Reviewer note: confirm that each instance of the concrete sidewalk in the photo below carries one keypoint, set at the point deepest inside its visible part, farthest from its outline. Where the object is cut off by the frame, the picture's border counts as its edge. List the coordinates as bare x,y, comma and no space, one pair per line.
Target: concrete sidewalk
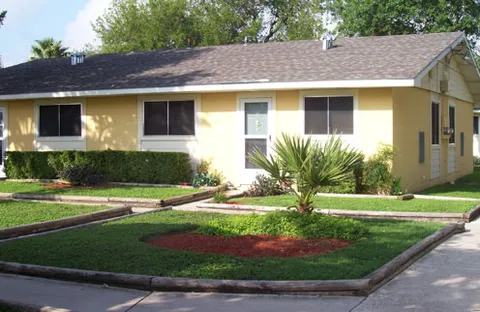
447,279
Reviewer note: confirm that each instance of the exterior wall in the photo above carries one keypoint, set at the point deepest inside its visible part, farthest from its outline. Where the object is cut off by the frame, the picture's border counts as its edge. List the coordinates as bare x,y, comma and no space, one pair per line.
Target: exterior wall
287,113
411,115
218,133
20,128
112,123
375,119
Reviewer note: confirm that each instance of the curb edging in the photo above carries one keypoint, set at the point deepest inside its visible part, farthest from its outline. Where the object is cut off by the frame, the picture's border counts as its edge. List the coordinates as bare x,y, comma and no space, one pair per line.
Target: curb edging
358,287
416,216
45,226
140,202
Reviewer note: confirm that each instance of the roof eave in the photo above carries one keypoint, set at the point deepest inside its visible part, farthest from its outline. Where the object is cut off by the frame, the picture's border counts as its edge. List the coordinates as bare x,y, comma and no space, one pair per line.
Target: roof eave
262,86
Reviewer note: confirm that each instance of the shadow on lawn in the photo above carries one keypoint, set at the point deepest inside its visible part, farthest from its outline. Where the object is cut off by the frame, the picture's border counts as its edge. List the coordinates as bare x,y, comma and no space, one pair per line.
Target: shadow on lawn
117,247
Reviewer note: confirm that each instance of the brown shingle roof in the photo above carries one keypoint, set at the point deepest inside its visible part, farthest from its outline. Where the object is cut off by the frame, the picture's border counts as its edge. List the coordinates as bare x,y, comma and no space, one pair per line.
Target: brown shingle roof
390,57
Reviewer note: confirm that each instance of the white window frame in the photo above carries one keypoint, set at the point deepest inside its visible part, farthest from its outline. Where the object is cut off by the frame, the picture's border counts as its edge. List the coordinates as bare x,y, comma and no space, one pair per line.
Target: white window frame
196,98
166,136
60,142
324,93
56,138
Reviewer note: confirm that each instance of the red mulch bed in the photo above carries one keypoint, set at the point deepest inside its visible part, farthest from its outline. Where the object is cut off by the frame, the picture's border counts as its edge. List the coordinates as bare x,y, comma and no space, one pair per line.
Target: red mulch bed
248,246
59,186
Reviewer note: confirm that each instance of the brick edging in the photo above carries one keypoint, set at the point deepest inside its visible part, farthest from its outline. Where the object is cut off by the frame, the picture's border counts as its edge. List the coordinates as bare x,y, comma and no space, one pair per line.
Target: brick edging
64,222
154,283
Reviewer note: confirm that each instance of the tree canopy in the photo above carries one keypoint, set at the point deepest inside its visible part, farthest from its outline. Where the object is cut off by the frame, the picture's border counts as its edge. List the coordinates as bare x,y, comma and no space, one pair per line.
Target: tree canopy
152,24
3,14
396,17
48,48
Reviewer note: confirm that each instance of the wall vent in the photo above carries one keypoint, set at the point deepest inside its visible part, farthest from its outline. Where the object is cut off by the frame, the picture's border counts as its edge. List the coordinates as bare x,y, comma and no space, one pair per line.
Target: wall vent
443,86
77,58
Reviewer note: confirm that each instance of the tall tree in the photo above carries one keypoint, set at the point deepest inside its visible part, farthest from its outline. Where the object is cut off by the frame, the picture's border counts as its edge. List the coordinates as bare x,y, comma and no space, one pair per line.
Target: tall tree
48,48
3,14
394,17
151,24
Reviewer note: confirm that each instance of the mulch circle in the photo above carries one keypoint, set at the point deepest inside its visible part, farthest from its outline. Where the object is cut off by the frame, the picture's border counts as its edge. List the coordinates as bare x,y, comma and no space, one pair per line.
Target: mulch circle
248,246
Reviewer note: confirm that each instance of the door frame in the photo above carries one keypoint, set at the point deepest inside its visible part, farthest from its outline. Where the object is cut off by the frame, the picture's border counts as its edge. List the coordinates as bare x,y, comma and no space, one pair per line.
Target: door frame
3,109
246,176
452,147
436,149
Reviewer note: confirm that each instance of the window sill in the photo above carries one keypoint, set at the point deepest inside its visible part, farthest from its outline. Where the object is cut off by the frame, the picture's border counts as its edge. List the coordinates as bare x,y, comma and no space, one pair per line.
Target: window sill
60,138
168,138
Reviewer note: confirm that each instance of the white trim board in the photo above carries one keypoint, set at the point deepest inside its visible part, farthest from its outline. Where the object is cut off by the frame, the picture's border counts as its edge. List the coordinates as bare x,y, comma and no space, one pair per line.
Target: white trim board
262,86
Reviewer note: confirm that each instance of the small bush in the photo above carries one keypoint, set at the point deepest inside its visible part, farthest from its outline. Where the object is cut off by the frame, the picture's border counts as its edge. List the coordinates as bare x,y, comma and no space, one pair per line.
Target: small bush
476,160
204,177
377,173
287,223
82,175
264,186
220,197
118,166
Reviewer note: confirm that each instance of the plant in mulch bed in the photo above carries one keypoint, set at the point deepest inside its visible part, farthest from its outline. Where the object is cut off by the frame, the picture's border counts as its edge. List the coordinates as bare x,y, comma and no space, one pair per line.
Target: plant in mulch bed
264,186
220,197
204,177
305,166
286,223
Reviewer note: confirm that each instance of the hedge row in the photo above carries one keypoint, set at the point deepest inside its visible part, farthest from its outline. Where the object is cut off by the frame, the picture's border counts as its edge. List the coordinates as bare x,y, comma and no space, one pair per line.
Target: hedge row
117,166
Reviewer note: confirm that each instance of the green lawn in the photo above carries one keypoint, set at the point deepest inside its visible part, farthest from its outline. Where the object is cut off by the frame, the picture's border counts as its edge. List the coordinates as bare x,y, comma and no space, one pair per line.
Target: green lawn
468,187
13,213
117,247
118,191
374,204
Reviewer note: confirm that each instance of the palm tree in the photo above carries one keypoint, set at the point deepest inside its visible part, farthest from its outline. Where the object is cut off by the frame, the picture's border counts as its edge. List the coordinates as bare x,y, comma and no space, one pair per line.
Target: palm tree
48,48
305,166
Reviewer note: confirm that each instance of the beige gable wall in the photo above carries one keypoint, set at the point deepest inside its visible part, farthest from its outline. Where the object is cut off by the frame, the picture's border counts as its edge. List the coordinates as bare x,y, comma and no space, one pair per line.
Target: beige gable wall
456,83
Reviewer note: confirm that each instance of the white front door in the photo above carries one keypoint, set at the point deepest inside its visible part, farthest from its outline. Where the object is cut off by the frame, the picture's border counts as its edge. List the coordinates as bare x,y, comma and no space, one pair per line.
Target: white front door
2,141
256,132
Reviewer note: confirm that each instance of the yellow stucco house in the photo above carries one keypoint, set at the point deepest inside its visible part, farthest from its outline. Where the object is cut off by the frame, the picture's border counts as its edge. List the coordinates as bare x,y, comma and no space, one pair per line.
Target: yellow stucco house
416,92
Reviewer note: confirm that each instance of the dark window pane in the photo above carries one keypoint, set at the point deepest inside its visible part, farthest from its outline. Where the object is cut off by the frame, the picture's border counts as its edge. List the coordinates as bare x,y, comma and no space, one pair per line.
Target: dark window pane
421,147
155,118
70,120
250,144
341,114
462,144
316,121
451,116
435,137
48,120
475,125
182,118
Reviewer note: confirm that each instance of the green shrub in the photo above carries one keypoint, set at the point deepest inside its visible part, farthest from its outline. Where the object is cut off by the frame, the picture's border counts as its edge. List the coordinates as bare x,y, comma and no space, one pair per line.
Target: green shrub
117,166
378,177
204,177
220,197
264,186
287,223
82,175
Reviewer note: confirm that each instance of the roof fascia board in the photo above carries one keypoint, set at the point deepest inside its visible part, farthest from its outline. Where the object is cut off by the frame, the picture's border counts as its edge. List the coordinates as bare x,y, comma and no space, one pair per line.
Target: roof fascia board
380,83
434,62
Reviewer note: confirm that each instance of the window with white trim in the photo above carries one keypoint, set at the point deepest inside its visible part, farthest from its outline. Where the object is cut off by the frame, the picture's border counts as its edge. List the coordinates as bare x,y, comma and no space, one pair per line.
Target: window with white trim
451,117
60,120
327,115
169,118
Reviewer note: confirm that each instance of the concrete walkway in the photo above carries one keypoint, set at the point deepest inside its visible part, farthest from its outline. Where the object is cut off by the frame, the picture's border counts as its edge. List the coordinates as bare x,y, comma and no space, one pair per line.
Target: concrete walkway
447,279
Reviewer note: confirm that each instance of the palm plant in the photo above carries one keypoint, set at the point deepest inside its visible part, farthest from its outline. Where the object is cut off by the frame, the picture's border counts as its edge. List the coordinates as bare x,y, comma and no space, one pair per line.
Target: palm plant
305,166
48,48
